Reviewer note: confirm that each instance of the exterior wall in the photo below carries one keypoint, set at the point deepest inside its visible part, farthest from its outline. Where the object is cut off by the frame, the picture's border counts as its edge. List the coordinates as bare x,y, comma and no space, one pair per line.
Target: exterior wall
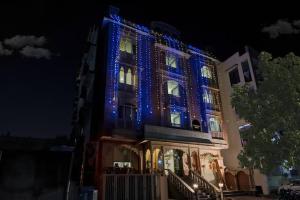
232,121
29,171
151,104
150,94
116,152
206,156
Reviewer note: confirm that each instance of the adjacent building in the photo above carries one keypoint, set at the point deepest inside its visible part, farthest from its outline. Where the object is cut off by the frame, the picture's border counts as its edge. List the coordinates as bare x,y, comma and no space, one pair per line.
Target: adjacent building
35,169
239,69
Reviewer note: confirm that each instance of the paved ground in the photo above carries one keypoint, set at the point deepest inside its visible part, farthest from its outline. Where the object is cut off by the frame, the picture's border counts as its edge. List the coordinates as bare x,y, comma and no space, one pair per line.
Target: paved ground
249,198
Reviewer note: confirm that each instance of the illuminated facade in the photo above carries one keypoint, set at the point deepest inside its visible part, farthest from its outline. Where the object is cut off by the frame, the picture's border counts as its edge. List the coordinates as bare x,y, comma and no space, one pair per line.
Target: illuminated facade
155,106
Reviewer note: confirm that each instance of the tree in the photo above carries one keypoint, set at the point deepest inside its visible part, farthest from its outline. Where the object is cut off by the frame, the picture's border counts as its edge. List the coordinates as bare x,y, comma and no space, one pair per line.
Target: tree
273,110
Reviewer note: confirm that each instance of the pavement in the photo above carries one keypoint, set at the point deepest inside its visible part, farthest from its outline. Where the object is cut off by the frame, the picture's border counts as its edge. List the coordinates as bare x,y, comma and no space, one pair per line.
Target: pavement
248,198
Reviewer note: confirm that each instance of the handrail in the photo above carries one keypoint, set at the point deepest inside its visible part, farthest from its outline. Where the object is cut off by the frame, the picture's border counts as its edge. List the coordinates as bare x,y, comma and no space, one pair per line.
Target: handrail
203,183
187,191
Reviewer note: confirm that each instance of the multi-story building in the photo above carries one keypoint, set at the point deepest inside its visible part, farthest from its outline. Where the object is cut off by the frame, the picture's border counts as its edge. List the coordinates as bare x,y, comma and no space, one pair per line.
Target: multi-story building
149,103
239,69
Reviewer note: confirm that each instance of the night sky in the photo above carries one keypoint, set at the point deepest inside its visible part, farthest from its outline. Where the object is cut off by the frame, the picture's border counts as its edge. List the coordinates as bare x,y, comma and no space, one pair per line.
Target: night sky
41,43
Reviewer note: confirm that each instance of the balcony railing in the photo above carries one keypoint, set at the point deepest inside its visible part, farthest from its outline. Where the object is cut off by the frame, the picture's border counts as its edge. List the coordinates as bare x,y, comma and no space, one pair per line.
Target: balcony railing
217,135
127,57
180,185
203,184
126,124
213,107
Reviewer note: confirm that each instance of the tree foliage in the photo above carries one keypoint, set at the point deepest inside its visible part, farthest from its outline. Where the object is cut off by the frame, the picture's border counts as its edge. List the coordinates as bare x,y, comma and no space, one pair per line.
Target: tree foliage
273,110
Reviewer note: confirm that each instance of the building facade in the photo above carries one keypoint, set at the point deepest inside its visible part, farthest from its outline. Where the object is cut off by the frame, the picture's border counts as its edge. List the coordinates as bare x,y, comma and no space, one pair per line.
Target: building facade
148,103
239,69
35,168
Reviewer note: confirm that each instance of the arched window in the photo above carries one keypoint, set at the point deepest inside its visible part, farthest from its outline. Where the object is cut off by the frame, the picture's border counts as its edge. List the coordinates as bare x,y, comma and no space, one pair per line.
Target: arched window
210,97
121,75
126,45
205,72
135,81
207,97
214,125
173,88
129,77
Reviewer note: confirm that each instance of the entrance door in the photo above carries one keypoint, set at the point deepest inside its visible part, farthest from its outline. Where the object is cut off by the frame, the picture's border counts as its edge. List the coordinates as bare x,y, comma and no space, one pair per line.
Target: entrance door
195,162
243,181
178,163
230,181
173,161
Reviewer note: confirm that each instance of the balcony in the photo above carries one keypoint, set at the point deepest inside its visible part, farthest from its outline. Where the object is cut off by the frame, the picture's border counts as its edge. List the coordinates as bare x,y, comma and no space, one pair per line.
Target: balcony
173,134
213,107
128,58
217,135
174,100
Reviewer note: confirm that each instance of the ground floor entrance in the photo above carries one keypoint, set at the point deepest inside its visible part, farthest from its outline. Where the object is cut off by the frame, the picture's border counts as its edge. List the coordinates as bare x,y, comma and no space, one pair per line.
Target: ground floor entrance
156,156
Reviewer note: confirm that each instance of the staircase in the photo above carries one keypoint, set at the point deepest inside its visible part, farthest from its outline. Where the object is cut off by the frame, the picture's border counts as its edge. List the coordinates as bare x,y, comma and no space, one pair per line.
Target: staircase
182,188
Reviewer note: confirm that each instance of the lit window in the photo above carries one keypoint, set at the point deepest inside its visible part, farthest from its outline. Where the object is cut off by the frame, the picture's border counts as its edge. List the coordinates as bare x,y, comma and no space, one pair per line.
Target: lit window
207,97
171,61
173,88
121,75
126,45
214,125
129,77
175,119
205,72
135,80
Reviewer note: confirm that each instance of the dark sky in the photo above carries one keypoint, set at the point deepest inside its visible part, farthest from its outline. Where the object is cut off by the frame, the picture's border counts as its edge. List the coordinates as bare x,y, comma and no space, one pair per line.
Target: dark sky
36,94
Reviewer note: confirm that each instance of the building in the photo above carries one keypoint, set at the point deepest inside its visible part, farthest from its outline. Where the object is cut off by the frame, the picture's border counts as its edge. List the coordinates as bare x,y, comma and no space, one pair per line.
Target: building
35,168
148,103
239,69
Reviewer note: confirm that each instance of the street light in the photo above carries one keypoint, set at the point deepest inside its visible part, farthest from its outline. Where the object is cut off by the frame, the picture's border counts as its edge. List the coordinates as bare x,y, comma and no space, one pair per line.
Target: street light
195,186
221,188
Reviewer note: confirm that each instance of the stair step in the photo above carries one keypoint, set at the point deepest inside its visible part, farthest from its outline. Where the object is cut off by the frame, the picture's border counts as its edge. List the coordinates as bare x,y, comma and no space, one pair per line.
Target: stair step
234,193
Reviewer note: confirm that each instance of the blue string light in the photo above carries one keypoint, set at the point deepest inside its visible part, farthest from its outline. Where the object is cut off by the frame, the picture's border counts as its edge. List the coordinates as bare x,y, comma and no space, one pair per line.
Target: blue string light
113,68
145,73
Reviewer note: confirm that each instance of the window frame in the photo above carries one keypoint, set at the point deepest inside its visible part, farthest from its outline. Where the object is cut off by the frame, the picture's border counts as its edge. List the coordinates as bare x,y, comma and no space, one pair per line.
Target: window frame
171,64
178,117
206,72
127,44
170,90
232,71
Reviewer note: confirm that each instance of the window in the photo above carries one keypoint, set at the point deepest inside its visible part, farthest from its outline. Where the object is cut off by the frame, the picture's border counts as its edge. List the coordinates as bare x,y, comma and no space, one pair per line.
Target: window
234,76
173,88
214,125
171,61
205,72
246,71
175,119
126,45
207,97
135,80
121,75
129,77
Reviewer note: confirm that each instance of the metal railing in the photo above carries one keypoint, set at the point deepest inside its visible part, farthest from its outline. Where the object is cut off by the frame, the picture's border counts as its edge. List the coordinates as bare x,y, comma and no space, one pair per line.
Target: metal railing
180,185
130,187
217,135
213,190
